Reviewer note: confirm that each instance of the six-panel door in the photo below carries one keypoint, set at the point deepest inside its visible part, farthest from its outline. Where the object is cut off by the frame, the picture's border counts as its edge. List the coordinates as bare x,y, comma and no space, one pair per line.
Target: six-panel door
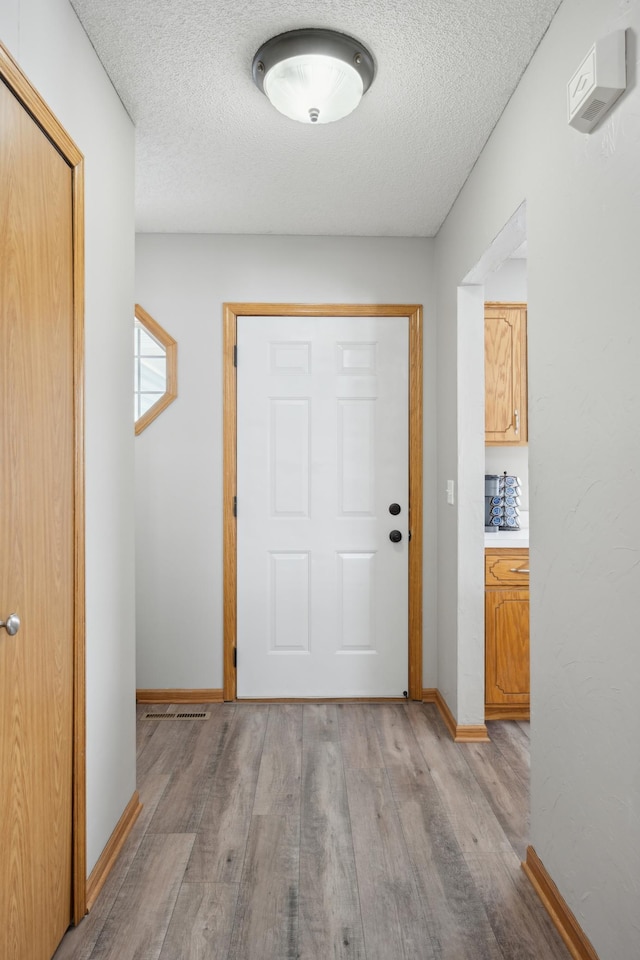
322,454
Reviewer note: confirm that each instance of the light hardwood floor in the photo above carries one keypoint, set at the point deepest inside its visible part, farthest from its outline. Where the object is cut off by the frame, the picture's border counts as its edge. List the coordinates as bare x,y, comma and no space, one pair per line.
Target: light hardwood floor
322,831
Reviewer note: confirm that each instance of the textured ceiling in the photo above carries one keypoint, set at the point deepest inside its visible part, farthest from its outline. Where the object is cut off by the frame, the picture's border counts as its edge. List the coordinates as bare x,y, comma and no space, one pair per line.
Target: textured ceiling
213,156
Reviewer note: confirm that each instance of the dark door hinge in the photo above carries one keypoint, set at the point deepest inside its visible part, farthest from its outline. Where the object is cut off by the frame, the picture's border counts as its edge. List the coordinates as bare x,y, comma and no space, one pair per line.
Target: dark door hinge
235,506
235,656
235,354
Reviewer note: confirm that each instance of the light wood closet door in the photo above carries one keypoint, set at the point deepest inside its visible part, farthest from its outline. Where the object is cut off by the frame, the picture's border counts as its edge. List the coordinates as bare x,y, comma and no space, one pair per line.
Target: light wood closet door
36,526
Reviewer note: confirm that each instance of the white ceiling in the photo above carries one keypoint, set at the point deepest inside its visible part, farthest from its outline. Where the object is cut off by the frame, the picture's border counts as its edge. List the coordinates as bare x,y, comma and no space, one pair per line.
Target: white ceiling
213,156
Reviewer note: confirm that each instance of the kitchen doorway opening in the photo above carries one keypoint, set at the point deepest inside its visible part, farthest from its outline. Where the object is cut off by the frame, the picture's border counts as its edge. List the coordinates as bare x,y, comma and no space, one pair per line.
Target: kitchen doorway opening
478,286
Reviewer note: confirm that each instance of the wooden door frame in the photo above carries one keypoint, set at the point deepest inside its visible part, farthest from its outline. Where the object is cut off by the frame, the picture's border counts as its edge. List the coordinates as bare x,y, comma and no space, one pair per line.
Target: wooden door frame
231,313
27,95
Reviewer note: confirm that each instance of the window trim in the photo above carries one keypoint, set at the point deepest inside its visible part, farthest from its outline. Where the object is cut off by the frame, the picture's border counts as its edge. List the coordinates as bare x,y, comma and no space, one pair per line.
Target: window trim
171,348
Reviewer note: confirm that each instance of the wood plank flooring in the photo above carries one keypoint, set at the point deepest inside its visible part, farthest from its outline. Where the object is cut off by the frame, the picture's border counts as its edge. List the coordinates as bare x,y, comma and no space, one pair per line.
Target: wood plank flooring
322,832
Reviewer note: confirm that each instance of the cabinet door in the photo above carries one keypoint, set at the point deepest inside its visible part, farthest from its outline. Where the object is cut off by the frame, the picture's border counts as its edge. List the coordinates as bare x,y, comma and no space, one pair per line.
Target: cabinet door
507,646
505,371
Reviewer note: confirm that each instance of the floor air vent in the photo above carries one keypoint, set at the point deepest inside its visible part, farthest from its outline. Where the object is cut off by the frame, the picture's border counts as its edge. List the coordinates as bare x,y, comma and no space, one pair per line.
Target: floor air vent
177,716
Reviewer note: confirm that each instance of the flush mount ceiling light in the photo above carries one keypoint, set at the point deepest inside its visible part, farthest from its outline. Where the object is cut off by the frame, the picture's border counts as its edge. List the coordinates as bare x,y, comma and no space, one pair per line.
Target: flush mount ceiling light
314,76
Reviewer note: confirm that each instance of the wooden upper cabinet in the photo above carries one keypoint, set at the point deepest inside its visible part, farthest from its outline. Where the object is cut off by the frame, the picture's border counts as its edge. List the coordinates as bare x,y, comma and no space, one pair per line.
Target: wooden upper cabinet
505,373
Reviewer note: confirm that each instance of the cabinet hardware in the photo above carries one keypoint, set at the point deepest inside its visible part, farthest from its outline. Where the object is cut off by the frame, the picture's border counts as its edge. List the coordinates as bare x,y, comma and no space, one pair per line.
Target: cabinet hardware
517,416
519,570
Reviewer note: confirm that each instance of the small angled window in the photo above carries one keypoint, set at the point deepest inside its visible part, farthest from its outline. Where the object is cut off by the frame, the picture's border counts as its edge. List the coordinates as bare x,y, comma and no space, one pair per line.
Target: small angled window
155,369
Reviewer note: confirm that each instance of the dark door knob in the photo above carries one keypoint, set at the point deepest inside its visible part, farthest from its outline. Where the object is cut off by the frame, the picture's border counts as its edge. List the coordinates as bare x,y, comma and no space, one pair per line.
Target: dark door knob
394,509
395,536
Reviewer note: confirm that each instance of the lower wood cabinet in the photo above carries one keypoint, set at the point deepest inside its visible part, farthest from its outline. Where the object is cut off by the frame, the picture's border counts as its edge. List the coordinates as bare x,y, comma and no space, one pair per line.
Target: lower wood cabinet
506,634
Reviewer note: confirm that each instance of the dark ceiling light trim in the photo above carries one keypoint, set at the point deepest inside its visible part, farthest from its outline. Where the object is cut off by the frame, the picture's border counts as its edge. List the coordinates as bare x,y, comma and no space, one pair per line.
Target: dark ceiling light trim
313,75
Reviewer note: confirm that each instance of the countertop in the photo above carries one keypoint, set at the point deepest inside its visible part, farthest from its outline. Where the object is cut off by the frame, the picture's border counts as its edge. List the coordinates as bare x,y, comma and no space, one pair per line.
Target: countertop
510,538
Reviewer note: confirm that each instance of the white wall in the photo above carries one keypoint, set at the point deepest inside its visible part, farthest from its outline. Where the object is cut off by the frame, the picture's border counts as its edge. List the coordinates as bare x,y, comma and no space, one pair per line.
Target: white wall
583,207
182,281
46,39
508,283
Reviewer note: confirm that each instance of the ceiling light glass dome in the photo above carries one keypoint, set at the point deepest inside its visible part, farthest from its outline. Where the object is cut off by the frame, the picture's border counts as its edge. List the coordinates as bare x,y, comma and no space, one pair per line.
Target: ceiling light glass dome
313,76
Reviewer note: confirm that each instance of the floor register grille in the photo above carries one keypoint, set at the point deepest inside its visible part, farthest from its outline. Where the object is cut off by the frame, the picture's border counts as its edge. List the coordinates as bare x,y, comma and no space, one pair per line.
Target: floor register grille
177,716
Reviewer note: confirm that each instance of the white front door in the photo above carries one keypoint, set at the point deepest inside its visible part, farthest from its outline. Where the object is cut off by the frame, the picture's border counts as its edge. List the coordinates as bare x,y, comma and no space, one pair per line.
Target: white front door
322,456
